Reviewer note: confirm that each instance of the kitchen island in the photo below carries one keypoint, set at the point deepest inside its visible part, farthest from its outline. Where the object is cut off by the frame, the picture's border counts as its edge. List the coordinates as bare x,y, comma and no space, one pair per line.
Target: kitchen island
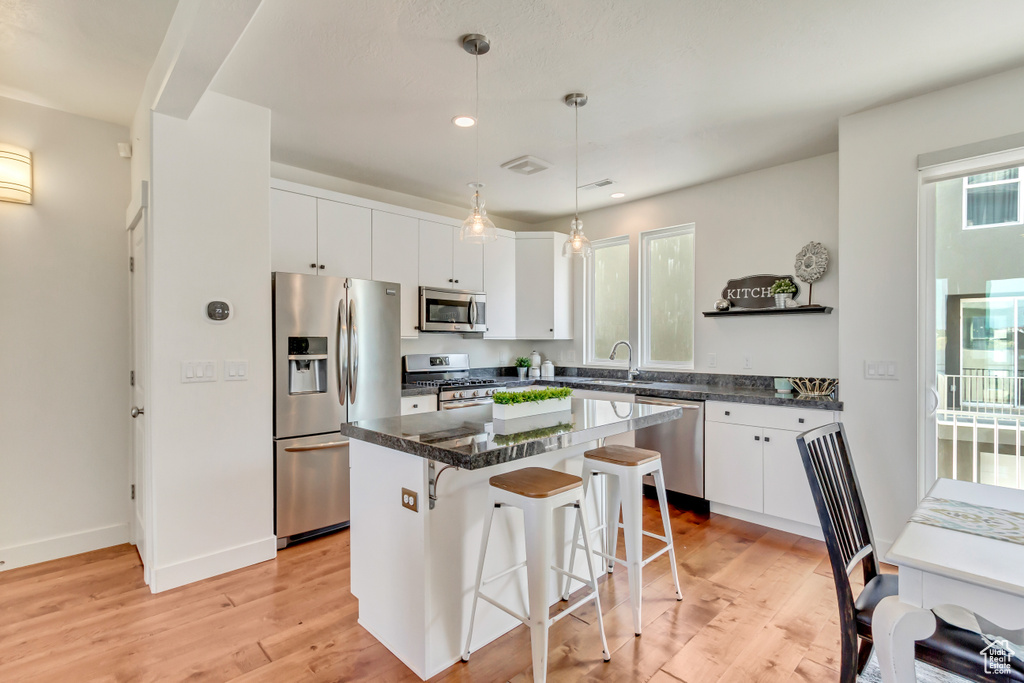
419,488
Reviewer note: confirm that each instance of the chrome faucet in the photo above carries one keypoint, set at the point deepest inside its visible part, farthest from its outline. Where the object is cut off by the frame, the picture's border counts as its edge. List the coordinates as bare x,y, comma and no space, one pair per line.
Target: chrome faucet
633,371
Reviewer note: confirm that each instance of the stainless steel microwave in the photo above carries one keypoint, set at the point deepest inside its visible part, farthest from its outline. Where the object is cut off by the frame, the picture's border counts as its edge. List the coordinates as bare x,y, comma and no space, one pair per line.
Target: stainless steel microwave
452,310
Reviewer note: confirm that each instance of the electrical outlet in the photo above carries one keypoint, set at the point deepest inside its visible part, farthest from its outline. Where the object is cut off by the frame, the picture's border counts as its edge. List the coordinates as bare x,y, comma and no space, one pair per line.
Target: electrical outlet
747,363
712,360
409,500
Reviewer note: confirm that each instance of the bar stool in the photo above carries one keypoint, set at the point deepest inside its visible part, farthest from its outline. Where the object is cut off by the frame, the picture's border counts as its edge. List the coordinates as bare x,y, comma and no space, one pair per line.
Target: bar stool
624,468
538,492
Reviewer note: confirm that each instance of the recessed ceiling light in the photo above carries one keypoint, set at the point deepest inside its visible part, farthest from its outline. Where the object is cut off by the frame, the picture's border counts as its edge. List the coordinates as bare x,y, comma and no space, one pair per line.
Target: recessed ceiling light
618,195
464,121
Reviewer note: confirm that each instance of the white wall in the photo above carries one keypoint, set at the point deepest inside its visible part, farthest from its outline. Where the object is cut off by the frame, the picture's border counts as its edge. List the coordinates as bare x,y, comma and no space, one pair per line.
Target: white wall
64,340
211,442
878,198
748,224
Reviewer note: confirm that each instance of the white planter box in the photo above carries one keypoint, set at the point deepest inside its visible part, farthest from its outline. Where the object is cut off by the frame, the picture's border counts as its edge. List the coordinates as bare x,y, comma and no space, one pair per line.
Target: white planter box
531,408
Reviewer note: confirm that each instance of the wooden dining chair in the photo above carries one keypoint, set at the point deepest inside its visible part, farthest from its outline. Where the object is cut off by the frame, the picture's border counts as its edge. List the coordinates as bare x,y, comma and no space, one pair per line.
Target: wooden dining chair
844,521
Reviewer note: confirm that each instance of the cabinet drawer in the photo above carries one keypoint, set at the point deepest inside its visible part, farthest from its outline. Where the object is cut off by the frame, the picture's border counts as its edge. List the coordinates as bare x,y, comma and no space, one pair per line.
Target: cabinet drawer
419,404
775,417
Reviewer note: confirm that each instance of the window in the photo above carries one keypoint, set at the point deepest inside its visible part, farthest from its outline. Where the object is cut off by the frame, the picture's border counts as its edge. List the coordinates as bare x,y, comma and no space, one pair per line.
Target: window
992,199
666,297
607,298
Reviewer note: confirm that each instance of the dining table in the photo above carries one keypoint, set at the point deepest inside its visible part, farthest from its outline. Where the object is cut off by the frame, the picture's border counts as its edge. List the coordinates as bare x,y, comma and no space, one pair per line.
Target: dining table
960,553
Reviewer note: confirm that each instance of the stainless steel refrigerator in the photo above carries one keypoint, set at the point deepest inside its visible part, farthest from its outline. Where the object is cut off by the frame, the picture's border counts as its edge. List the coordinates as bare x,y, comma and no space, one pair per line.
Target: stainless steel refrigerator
337,358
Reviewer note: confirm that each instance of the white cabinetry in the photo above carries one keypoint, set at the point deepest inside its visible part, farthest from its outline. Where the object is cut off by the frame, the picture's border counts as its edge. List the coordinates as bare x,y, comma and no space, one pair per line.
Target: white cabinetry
396,259
500,287
543,287
318,236
751,461
446,262
426,403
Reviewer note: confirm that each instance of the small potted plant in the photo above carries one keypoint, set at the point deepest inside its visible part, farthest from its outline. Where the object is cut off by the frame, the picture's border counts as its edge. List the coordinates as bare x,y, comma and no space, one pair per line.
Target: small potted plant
522,365
783,290
509,405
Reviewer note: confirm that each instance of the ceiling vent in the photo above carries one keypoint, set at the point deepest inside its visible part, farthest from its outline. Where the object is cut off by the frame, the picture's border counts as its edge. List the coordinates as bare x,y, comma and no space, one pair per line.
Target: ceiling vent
597,183
527,165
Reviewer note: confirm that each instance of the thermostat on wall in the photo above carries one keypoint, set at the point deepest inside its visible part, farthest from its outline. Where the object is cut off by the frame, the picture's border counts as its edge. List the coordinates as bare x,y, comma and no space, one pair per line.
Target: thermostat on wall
218,311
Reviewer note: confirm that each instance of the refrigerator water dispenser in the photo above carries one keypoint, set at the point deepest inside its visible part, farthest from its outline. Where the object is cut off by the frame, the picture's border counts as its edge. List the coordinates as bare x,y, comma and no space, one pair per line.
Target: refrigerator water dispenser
307,365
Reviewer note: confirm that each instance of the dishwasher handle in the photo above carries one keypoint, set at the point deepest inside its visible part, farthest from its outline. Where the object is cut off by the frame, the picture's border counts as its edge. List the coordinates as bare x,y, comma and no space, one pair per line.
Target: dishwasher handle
667,402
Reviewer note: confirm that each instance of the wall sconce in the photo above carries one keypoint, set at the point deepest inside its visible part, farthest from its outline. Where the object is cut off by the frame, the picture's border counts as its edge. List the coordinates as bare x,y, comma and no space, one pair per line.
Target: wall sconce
15,174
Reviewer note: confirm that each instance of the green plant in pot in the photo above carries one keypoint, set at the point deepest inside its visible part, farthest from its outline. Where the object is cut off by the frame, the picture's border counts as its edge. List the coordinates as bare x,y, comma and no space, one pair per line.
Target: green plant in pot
782,289
522,365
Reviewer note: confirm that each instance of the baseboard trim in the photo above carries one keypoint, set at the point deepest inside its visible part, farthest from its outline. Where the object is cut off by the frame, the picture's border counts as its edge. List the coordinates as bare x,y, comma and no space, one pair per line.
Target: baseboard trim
769,521
57,547
206,566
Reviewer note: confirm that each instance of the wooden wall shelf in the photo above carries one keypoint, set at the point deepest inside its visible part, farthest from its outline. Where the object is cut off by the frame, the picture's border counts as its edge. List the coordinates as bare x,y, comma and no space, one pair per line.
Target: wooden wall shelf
769,311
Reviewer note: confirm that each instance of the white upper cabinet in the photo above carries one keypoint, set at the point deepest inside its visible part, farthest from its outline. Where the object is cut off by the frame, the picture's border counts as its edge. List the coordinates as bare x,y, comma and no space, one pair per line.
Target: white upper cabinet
436,255
500,287
467,264
318,236
292,232
396,259
343,239
543,287
446,262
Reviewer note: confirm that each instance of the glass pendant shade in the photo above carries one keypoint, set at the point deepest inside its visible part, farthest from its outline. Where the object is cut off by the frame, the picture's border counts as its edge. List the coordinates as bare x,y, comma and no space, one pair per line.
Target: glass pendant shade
478,228
577,243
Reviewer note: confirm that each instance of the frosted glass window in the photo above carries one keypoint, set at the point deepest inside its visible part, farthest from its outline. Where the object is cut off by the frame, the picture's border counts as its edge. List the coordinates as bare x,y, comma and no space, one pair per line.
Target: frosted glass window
609,297
667,297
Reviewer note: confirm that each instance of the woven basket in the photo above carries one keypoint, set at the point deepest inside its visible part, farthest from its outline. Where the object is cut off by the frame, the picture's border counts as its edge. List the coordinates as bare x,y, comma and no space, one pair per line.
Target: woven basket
814,386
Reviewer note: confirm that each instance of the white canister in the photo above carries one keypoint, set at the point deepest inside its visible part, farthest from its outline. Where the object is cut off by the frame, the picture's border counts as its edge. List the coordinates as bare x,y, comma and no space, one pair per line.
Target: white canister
535,360
534,372
547,369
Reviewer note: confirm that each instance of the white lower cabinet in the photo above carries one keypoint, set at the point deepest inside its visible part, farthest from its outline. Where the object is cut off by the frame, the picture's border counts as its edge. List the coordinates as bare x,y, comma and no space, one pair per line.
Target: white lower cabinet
426,403
750,463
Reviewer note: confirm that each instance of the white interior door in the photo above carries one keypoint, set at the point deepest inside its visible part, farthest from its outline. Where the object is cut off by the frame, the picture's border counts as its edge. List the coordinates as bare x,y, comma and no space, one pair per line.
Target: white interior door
139,382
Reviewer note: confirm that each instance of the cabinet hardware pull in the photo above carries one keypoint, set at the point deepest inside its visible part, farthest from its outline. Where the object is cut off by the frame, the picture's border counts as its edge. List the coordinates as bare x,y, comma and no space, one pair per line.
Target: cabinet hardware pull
757,438
322,266
456,282
312,265
450,280
766,439
727,413
415,405
801,420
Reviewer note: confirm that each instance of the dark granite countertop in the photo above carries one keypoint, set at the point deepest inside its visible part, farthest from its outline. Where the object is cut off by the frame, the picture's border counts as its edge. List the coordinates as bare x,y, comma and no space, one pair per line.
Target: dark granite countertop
695,392
416,390
465,437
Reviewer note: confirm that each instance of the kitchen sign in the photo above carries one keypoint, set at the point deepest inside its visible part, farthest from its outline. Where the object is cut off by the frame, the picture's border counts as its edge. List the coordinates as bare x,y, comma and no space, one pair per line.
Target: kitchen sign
754,291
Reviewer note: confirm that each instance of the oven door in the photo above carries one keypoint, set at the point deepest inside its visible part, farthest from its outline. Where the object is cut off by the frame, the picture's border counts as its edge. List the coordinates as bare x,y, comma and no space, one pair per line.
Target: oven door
459,403
449,310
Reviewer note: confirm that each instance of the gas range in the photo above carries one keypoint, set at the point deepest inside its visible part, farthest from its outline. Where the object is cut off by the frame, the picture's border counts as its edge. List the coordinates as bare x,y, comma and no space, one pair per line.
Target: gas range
449,372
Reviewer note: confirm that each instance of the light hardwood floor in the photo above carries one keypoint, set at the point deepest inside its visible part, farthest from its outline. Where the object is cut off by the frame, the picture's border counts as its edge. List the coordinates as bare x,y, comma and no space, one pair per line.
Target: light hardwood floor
759,605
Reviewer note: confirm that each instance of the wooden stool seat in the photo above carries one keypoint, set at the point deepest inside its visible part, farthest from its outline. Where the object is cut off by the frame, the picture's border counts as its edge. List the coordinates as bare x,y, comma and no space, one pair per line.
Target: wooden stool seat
622,455
535,482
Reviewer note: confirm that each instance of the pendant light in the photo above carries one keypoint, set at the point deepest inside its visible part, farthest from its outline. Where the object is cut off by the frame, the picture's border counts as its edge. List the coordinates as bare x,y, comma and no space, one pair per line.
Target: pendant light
477,228
577,243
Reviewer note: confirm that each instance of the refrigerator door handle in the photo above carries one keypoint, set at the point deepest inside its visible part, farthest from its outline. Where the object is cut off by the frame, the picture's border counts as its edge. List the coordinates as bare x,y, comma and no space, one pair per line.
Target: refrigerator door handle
472,311
342,360
353,346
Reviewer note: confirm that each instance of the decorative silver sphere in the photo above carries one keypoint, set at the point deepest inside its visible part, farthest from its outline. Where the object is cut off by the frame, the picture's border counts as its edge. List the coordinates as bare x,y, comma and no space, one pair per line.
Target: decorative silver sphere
722,305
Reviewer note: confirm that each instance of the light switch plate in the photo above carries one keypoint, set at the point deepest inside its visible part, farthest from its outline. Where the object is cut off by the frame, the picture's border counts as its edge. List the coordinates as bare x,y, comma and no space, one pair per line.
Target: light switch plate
409,501
198,371
881,369
236,370
712,360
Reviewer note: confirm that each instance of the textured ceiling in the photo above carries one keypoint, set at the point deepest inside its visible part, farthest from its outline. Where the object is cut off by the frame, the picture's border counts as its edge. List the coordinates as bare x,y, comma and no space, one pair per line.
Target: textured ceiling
88,57
681,91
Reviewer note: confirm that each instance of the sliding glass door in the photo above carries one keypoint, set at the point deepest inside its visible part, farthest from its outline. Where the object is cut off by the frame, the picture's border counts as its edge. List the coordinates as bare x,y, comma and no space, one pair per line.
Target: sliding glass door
972,321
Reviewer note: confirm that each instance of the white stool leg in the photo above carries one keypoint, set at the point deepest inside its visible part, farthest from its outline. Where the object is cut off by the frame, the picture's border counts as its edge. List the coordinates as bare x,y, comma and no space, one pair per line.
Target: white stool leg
587,476
581,518
632,522
539,530
659,484
612,500
479,574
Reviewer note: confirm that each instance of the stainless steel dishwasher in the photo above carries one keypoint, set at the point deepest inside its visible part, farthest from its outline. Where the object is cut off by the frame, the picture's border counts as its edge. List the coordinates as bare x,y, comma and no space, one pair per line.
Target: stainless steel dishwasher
681,444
